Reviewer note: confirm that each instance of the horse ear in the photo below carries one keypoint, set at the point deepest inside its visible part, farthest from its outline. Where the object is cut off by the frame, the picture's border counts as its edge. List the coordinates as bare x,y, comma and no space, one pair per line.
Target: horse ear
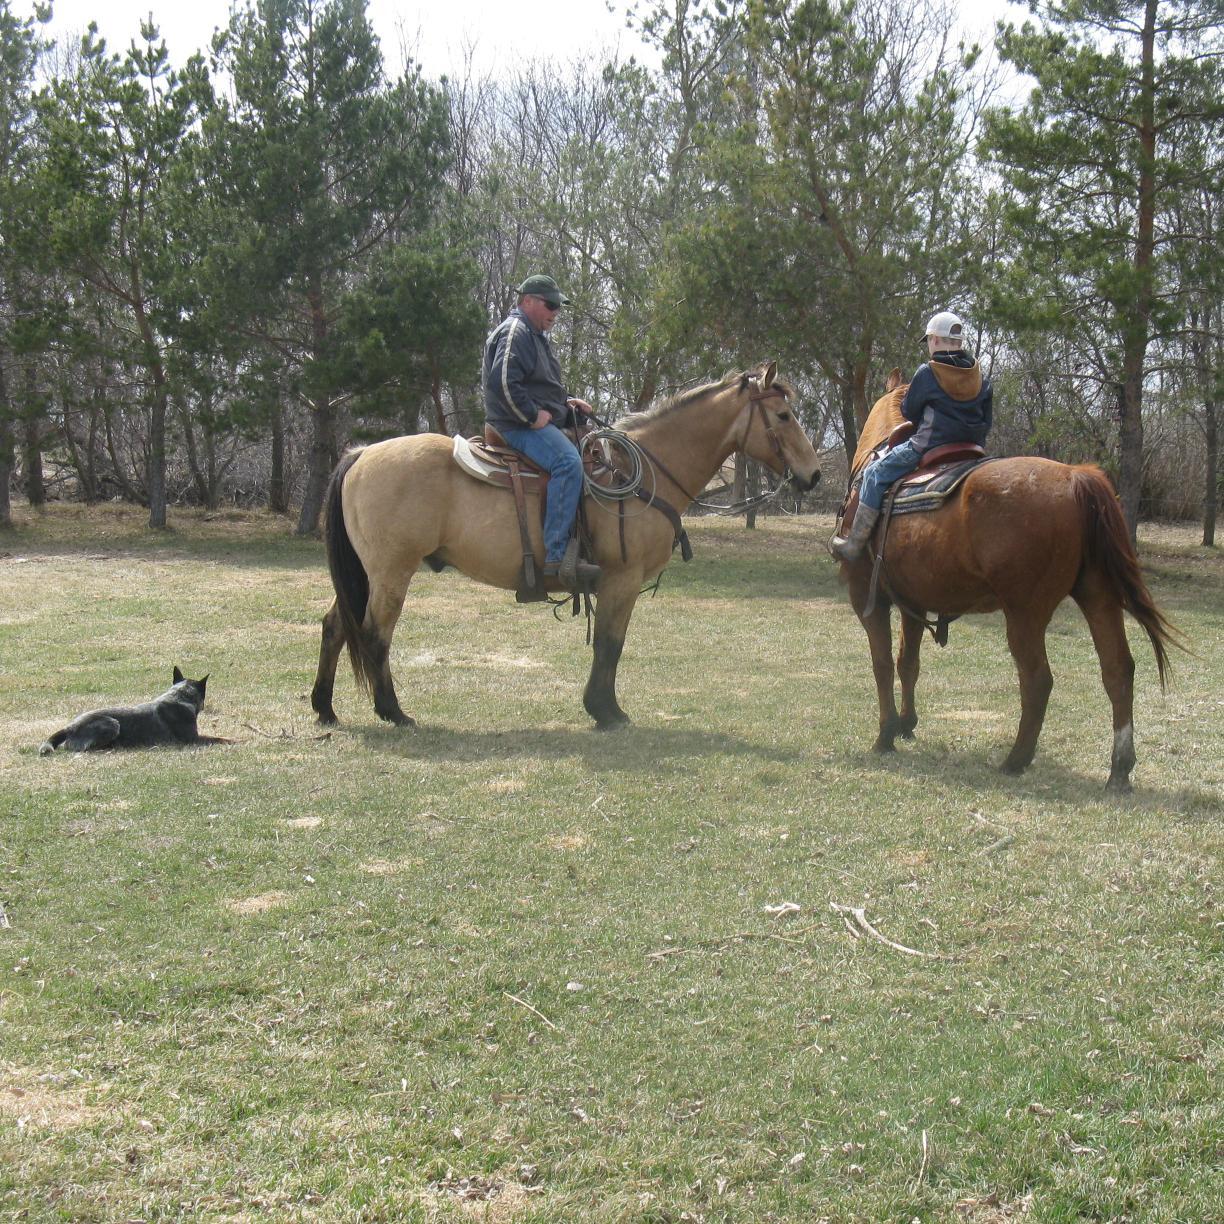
768,374
893,381
178,676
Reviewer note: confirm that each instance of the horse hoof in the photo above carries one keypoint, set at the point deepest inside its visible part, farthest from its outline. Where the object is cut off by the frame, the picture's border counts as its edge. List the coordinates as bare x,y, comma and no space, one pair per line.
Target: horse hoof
399,719
327,718
1013,768
1120,785
612,724
883,747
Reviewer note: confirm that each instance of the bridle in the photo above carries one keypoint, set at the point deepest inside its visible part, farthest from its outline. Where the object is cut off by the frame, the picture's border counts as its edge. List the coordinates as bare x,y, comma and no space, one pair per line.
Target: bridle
756,401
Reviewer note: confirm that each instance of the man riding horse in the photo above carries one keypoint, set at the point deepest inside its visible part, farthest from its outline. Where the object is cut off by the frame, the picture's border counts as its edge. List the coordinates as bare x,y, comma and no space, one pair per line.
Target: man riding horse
949,400
525,402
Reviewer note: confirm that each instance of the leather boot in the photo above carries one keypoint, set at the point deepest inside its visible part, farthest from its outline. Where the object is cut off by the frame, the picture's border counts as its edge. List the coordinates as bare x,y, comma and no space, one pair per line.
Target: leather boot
850,547
573,574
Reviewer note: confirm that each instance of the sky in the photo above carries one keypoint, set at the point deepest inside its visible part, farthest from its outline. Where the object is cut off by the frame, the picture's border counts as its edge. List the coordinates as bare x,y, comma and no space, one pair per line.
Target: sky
437,33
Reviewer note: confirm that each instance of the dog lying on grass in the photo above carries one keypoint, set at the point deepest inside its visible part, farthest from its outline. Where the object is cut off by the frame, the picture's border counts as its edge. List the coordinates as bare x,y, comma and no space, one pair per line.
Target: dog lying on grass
168,719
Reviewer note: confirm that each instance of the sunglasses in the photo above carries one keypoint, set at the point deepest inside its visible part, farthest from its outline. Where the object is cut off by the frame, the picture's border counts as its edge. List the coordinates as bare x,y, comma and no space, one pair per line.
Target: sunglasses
553,306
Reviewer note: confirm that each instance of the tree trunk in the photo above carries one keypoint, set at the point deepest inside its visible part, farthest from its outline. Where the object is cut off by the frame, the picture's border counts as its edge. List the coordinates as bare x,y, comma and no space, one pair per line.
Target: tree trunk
278,492
1137,322
322,424
850,427
1211,492
193,458
31,449
157,453
322,452
435,393
6,456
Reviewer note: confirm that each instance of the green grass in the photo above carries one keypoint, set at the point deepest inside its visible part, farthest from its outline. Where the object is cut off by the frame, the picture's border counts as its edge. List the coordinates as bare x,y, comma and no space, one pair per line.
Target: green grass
508,968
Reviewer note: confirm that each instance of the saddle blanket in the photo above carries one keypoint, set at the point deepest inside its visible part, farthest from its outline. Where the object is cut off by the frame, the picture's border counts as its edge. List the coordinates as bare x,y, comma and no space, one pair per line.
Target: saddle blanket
924,491
471,455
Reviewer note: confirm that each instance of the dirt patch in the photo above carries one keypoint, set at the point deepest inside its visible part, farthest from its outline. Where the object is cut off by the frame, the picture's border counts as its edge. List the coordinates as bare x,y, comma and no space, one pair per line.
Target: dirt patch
39,1102
991,1210
492,1200
569,842
260,904
304,822
384,867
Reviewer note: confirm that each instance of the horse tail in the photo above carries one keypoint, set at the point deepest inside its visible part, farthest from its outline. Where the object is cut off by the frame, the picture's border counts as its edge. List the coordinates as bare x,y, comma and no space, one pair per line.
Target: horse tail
1107,549
348,575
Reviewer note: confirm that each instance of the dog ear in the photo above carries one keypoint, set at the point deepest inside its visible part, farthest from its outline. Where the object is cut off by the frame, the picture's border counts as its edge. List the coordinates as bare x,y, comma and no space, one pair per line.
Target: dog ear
178,676
202,683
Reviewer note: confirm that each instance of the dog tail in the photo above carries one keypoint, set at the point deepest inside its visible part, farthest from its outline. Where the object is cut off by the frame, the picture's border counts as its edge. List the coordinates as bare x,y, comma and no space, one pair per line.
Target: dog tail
349,578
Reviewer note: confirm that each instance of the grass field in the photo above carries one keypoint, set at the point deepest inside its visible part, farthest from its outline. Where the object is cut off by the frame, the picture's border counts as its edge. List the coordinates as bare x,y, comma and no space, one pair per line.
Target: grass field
507,968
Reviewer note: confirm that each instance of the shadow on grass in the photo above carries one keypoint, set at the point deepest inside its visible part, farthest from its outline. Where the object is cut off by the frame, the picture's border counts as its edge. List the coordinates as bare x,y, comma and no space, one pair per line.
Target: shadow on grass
1046,779
629,748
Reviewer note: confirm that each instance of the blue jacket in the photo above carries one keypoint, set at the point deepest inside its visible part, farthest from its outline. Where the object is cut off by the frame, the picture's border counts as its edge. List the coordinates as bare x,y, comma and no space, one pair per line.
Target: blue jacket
522,376
950,401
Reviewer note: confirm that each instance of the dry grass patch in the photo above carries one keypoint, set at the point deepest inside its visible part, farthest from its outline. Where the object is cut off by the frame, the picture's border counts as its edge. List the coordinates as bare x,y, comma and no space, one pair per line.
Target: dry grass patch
303,822
384,867
31,1100
259,904
569,842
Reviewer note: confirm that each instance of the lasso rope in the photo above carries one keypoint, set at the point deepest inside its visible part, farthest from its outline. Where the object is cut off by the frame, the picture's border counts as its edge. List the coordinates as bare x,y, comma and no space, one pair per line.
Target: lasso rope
637,467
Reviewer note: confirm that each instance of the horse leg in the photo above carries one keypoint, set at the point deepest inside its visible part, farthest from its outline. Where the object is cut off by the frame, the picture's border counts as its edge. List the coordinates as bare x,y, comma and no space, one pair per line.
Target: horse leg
382,613
879,637
1026,640
907,669
325,677
617,596
1104,616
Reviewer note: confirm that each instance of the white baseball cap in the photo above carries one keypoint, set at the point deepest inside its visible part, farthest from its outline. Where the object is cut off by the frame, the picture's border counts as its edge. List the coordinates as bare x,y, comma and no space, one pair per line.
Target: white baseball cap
945,325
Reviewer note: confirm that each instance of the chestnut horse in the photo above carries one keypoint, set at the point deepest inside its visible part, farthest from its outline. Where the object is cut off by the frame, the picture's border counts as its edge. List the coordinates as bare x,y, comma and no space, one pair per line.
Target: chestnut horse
397,503
1019,535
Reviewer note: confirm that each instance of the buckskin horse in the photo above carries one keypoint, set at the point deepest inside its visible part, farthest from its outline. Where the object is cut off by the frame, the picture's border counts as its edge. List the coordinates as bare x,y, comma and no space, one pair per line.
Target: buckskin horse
1018,535
395,504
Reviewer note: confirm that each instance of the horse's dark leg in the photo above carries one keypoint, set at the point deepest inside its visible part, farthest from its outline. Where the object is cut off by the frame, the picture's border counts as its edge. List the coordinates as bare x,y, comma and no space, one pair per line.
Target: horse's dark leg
383,612
1026,639
1103,613
325,677
879,637
907,669
617,596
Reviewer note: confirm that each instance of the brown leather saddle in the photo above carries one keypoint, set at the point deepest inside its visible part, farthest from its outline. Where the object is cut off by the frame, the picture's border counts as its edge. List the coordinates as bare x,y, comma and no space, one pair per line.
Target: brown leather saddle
938,475
489,459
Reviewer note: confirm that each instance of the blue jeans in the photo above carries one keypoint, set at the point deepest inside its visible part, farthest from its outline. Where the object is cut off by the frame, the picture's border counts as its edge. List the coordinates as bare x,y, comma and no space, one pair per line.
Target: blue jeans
550,449
898,462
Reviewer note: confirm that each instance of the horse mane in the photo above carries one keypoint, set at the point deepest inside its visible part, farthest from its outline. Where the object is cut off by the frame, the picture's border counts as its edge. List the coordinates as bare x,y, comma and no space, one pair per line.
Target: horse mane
675,403
883,418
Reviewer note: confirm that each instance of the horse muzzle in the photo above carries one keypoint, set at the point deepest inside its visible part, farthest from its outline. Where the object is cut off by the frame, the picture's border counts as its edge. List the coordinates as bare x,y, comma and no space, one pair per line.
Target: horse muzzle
801,484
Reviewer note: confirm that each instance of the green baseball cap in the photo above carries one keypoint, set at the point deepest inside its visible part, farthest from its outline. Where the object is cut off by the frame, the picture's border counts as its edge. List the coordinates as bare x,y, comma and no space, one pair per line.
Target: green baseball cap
543,287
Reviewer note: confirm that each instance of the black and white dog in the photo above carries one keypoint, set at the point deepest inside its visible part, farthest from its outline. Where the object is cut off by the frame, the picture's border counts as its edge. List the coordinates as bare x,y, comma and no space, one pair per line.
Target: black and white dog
168,719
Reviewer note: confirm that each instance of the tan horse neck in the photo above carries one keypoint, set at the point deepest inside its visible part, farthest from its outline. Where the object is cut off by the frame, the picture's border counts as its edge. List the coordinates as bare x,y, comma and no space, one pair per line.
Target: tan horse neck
883,418
691,435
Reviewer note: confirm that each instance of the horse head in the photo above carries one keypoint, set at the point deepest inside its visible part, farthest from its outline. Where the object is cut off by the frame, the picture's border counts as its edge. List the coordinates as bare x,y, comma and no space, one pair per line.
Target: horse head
773,435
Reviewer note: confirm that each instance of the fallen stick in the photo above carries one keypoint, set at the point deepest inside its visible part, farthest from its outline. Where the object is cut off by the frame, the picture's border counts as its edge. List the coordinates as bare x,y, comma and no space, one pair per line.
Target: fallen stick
535,1011
848,912
926,1157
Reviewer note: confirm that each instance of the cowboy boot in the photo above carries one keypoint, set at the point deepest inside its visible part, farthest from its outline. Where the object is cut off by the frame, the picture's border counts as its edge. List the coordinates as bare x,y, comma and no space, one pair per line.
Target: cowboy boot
574,575
850,547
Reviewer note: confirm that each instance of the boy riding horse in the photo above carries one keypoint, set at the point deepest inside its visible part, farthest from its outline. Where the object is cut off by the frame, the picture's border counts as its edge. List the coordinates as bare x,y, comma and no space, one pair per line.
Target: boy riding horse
948,400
